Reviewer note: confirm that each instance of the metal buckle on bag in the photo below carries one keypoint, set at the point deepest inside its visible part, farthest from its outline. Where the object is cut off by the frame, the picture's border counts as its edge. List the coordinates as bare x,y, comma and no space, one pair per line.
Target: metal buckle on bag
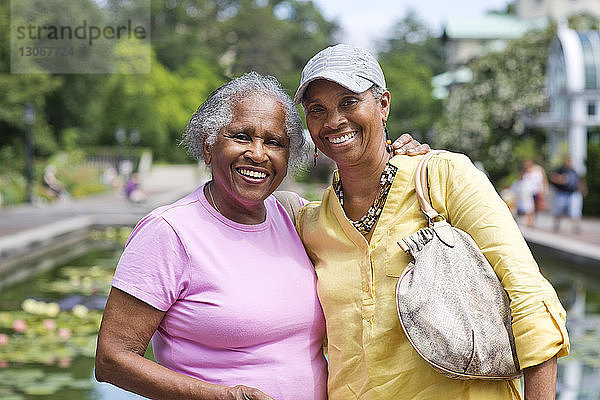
432,219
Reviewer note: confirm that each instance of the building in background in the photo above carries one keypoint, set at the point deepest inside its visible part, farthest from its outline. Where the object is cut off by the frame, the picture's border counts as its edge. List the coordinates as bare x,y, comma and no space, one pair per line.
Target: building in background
573,68
467,38
573,88
556,9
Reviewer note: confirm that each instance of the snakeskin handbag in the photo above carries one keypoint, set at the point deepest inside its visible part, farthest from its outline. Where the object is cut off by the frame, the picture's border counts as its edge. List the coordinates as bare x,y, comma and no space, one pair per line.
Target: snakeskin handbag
451,305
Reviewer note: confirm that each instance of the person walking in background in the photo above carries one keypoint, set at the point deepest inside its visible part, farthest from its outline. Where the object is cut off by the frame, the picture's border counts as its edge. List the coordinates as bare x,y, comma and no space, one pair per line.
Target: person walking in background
534,177
569,194
54,187
524,203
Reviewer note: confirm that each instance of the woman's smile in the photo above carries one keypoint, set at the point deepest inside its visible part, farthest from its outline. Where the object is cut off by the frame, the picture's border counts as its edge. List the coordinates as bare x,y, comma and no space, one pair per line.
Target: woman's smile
341,139
252,175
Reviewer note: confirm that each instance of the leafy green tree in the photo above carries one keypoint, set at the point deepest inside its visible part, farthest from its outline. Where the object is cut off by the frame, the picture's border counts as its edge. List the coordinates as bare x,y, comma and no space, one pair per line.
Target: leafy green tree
15,91
484,118
156,105
410,35
182,30
413,108
276,38
409,58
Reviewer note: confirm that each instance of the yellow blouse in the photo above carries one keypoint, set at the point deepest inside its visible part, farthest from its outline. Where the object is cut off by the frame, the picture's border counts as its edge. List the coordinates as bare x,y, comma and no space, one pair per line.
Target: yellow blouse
369,355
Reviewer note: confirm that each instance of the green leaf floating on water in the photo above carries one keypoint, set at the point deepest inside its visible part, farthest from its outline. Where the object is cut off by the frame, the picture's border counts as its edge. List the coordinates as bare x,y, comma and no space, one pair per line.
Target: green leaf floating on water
48,328
18,377
12,396
40,389
8,394
81,384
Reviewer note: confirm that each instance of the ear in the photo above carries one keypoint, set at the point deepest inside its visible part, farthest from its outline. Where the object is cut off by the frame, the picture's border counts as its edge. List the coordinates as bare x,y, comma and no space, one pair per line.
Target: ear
206,153
385,104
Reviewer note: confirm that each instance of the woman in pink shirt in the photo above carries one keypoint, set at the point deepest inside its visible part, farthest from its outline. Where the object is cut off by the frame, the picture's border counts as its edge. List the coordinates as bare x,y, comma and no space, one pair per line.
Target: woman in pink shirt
220,280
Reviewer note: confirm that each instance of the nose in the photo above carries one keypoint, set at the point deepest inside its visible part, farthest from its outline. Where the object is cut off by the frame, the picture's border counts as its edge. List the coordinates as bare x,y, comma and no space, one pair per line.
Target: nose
256,151
335,119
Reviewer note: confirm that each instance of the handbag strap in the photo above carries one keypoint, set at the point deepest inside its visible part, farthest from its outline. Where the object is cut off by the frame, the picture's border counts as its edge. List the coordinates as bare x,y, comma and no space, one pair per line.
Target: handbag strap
421,186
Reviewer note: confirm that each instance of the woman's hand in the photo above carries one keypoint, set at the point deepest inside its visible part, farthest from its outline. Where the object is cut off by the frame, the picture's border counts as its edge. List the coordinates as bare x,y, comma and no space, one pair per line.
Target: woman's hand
127,326
241,392
405,144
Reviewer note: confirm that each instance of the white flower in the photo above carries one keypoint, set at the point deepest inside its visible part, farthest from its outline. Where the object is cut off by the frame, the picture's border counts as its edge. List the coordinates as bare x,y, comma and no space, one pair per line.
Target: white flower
80,311
52,309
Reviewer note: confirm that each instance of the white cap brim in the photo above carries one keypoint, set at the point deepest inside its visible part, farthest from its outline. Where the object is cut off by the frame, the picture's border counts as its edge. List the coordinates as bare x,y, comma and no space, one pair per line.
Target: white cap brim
356,84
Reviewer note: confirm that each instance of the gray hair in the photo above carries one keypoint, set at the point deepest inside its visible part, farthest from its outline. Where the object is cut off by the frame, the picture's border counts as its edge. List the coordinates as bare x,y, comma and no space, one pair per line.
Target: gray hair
217,112
377,91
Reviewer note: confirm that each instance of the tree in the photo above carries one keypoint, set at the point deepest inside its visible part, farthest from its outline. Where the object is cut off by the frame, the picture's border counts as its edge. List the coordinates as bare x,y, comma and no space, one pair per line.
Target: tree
413,108
276,38
409,58
15,91
157,105
182,30
410,35
484,118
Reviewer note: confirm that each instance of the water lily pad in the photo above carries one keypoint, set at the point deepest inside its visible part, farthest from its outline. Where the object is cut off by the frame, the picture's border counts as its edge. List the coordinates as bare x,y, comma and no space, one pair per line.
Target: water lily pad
40,389
60,379
81,384
8,394
17,377
12,396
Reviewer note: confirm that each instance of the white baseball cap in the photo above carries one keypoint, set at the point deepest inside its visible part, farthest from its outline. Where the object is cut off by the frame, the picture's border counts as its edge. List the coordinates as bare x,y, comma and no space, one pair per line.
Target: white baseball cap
352,67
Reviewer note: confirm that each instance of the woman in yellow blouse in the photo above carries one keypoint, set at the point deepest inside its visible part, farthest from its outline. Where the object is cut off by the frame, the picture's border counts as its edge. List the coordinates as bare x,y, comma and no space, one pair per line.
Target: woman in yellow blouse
352,235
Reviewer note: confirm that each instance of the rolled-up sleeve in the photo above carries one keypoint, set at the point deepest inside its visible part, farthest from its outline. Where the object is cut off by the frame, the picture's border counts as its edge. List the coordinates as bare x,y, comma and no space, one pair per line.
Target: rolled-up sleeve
465,196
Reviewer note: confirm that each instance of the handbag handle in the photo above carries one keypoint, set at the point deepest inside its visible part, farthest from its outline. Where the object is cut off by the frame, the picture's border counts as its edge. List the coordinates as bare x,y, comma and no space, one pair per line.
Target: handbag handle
421,186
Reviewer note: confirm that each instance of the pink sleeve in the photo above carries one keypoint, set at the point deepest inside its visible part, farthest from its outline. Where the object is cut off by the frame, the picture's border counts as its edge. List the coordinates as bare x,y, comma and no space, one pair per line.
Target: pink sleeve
153,265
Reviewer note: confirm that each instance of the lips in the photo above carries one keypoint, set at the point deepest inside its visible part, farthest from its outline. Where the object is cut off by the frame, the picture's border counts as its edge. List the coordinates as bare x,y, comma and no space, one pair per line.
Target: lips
341,139
252,174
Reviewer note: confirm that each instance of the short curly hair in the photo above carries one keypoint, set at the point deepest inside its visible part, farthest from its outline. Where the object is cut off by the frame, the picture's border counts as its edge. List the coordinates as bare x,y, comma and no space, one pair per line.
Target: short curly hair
217,112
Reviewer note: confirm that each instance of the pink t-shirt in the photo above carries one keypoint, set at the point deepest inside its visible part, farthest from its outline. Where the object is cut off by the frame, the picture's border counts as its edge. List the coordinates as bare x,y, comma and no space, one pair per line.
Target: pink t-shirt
240,300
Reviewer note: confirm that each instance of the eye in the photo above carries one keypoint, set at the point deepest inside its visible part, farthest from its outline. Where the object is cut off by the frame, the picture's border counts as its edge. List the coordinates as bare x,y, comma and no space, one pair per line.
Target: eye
315,110
276,142
349,102
242,136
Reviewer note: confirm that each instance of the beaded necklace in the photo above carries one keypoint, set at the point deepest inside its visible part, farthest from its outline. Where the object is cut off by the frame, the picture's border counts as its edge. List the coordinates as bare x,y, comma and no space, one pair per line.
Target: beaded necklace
367,221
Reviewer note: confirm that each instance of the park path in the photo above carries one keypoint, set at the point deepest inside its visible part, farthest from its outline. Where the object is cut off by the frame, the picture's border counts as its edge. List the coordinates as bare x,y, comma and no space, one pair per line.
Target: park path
25,224
164,184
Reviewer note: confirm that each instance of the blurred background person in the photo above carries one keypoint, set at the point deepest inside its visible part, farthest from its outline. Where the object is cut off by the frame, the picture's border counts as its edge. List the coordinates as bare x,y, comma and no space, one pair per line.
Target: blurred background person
524,200
534,177
54,187
568,200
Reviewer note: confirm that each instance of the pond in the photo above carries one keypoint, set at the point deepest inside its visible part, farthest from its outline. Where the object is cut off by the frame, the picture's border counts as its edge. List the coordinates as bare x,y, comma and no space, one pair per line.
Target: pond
48,328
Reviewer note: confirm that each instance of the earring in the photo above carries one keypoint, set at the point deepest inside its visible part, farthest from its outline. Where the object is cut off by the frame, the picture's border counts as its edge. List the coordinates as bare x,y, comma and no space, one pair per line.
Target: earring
315,155
388,141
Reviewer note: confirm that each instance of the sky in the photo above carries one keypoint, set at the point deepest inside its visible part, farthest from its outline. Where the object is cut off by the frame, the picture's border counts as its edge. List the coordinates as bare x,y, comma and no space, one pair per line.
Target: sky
363,22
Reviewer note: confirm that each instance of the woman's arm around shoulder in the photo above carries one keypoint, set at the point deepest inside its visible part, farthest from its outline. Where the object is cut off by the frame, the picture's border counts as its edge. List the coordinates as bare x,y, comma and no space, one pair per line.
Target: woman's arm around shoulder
126,329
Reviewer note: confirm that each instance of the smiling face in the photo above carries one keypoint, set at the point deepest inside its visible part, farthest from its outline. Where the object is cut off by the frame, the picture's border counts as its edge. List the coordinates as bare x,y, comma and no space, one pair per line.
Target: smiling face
345,126
250,156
